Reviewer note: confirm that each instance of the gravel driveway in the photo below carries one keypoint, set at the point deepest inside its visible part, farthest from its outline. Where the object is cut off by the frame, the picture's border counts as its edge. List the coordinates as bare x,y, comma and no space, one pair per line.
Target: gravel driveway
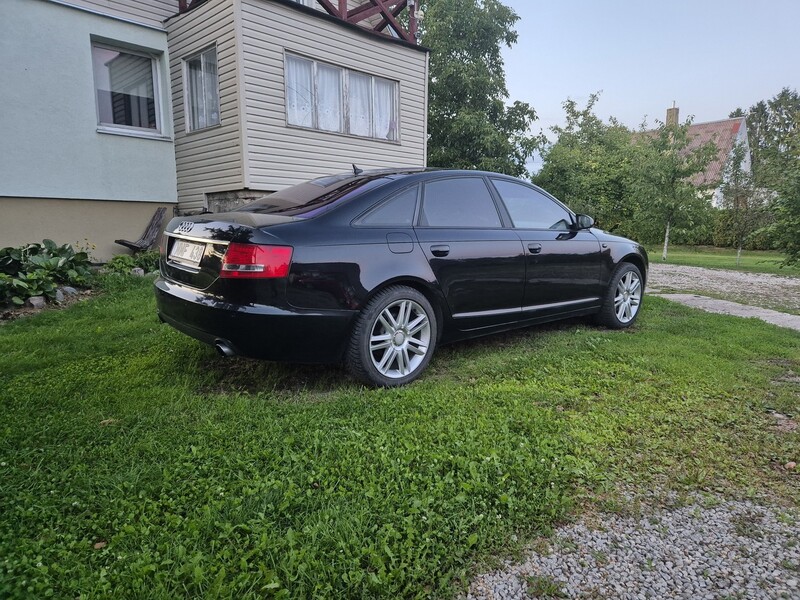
711,548
755,289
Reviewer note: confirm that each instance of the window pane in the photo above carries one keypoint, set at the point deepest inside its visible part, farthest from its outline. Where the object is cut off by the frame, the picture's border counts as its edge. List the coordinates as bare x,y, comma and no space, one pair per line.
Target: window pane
124,85
530,209
329,98
211,87
194,72
385,109
202,90
299,91
462,202
398,211
360,91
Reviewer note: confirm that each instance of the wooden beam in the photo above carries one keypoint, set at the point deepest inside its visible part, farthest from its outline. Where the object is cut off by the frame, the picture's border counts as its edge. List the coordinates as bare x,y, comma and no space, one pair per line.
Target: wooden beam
329,8
388,16
413,23
368,9
389,10
395,13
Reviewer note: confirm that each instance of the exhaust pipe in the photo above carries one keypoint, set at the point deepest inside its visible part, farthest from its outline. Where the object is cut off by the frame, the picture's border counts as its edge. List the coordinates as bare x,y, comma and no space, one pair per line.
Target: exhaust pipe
223,348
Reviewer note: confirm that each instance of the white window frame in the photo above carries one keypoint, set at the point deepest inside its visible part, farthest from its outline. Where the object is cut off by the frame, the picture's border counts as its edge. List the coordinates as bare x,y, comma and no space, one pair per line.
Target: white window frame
186,103
155,71
345,85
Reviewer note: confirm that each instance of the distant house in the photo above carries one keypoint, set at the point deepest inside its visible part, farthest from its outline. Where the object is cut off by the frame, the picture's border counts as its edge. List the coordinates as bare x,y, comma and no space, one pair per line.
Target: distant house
726,135
113,108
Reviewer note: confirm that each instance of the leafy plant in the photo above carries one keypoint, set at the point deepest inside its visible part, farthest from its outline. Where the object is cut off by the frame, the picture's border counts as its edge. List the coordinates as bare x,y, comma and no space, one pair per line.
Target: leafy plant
123,263
6,289
35,283
35,269
10,260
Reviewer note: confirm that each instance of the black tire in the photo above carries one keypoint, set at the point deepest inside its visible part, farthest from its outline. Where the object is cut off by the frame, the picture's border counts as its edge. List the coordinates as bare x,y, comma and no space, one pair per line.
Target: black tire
623,299
393,339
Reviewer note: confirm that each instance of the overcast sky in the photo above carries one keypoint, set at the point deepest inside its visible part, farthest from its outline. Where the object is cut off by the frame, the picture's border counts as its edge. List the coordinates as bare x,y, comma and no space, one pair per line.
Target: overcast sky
708,56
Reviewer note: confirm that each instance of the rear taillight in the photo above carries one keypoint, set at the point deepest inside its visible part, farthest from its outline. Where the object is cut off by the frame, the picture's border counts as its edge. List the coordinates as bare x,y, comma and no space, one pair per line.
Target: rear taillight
251,261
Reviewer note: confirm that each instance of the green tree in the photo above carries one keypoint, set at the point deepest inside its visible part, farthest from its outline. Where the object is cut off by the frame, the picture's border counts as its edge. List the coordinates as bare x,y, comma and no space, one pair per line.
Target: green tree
589,167
770,125
740,198
787,205
664,166
469,124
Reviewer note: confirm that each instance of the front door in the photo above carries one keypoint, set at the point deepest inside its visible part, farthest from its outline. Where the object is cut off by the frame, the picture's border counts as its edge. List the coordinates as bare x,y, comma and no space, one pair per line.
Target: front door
563,265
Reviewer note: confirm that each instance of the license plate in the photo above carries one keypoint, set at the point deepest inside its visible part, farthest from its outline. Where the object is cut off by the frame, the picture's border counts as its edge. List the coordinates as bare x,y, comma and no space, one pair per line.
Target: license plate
187,253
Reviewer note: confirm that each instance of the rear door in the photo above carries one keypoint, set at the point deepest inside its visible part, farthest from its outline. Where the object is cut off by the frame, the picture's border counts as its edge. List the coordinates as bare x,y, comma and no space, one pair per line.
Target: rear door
478,263
563,265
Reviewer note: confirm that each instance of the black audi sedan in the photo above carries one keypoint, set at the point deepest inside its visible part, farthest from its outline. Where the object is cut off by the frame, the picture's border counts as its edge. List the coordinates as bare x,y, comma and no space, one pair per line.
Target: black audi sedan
377,268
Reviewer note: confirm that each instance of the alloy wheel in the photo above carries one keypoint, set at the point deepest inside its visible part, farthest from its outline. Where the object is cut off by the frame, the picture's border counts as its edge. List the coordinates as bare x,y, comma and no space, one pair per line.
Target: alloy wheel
399,339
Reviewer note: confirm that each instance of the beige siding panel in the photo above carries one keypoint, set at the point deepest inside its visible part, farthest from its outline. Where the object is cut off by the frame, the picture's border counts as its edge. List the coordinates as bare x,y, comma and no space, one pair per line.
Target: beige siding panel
208,160
279,155
149,12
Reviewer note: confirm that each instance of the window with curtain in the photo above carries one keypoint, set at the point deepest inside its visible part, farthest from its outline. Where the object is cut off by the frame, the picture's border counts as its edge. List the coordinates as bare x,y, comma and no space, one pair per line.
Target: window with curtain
125,88
202,90
299,91
330,98
360,104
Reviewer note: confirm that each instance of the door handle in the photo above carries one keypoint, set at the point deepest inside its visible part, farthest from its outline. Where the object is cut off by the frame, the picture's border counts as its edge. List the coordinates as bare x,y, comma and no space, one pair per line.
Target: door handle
535,248
441,250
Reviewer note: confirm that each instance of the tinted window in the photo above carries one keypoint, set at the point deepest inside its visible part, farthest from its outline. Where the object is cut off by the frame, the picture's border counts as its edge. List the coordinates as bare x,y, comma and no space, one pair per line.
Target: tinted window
459,202
312,198
530,209
397,211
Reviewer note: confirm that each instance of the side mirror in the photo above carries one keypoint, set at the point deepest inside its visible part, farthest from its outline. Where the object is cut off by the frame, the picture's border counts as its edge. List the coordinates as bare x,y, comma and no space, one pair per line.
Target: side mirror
584,221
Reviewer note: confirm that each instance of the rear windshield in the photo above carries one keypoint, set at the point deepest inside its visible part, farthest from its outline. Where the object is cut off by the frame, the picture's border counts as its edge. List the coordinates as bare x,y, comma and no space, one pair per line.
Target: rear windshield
314,197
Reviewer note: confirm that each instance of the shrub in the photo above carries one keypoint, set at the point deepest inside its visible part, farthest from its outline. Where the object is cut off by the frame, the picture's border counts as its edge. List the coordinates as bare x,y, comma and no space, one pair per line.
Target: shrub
35,269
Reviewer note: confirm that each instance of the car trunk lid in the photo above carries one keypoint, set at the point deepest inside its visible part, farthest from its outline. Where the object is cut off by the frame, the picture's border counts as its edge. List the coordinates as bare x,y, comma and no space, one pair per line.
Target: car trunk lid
193,248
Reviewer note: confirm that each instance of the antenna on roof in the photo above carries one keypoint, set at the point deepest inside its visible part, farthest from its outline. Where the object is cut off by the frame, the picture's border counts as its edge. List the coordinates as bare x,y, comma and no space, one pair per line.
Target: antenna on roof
357,171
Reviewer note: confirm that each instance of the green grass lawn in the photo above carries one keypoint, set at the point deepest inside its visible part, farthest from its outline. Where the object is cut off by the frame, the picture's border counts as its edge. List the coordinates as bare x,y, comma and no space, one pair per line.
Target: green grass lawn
756,261
136,463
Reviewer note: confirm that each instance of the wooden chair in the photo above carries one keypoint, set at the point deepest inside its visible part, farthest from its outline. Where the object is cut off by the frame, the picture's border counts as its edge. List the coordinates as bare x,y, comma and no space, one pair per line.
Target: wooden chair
150,234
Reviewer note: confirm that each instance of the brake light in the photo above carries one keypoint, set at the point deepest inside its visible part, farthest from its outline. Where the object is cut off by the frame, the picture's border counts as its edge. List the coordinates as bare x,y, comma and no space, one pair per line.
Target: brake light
252,261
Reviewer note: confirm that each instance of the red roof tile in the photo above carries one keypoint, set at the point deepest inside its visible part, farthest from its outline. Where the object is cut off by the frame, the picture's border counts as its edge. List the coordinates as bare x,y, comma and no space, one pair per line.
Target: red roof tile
723,134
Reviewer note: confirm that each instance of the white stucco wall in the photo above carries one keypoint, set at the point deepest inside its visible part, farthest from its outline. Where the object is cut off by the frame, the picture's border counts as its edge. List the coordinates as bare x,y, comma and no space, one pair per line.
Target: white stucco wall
50,146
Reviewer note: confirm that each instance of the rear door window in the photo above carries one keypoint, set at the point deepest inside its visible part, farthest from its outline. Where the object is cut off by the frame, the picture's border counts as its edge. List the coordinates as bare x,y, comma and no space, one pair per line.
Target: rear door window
459,202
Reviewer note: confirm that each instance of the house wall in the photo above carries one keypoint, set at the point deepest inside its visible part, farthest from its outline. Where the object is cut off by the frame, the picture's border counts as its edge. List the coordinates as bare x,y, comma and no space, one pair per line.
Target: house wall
50,143
208,160
150,12
93,223
278,155
52,153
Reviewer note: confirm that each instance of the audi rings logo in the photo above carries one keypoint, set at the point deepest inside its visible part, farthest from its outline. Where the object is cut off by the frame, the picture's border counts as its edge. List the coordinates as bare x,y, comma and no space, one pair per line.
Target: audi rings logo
184,227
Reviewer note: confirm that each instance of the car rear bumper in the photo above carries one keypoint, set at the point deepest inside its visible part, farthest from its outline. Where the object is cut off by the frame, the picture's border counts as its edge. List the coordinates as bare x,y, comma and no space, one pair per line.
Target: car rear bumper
253,330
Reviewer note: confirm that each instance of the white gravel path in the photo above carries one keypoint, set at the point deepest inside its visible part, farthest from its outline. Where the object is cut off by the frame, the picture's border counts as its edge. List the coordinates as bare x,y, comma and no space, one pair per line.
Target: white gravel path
761,290
726,307
730,549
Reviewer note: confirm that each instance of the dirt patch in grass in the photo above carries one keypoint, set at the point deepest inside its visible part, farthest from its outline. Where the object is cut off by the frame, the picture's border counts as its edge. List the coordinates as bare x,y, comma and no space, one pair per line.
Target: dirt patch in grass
9,314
